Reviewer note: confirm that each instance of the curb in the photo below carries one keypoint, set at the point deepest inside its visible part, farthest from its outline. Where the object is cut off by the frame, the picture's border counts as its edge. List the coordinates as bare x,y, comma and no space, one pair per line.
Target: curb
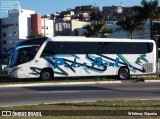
54,84
151,81
70,83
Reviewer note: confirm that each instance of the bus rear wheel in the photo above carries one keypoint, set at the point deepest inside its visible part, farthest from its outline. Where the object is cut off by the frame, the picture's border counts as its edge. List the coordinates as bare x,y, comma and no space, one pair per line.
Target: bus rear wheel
46,74
123,73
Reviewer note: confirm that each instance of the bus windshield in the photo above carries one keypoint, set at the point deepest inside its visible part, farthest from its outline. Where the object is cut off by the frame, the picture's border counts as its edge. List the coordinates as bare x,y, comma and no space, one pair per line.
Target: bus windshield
22,54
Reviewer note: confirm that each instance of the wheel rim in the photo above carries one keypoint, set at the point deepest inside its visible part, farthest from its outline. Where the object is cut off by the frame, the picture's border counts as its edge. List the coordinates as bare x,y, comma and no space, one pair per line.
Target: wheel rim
46,75
123,74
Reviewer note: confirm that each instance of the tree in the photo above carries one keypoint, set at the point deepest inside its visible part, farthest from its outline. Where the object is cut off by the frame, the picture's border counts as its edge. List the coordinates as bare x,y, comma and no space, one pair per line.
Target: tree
151,11
97,29
97,16
35,35
132,22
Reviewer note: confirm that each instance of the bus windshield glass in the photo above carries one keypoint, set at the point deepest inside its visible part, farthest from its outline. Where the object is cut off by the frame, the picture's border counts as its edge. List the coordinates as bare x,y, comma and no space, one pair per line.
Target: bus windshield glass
22,54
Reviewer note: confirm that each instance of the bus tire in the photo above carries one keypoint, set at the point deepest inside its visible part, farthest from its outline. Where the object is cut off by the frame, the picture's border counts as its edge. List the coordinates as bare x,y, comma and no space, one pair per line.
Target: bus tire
123,73
46,74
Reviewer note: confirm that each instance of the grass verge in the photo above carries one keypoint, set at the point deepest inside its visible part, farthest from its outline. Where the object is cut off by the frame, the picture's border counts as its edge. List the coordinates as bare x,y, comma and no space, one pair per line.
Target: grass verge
117,108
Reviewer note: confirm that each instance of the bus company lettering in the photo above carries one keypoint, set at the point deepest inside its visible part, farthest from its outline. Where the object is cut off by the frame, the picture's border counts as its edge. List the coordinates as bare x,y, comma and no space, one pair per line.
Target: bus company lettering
97,62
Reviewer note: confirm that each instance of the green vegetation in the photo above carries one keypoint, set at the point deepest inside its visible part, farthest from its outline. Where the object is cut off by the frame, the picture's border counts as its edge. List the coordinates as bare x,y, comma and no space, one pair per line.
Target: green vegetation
151,11
117,106
97,27
35,35
98,105
132,22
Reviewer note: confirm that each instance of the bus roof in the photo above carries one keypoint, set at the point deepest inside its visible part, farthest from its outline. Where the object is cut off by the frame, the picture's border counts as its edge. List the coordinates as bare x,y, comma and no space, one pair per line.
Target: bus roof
40,41
85,39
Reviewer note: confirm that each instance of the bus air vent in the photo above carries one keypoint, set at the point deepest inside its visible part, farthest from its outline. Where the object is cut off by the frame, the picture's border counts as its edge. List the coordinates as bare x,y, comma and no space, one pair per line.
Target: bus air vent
148,67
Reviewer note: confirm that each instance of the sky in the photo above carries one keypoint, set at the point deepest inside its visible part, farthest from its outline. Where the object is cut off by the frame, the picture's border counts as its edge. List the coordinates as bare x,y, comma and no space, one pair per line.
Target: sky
52,6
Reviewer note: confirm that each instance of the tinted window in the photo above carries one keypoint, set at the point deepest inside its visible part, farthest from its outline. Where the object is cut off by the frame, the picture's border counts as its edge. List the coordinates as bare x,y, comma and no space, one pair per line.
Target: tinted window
70,48
35,41
126,48
96,48
24,55
4,34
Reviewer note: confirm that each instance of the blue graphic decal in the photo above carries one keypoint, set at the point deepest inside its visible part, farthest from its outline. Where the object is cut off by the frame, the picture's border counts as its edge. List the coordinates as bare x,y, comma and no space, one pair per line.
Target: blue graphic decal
103,62
140,59
65,55
35,70
123,59
83,65
124,63
86,70
62,72
97,64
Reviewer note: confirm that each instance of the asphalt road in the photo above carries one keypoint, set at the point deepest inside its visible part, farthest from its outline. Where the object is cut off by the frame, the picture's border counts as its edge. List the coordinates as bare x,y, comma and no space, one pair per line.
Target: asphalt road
68,93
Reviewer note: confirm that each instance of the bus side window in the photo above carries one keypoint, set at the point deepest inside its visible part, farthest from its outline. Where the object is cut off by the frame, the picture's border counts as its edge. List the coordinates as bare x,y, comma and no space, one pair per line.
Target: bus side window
100,47
47,50
46,53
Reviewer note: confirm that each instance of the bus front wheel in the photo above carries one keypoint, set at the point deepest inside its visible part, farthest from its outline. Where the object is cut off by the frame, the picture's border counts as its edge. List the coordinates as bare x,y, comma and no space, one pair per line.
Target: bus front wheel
123,73
46,74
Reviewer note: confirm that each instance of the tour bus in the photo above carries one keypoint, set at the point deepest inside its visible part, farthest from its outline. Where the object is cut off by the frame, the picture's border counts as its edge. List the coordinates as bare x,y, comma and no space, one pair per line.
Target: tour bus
50,57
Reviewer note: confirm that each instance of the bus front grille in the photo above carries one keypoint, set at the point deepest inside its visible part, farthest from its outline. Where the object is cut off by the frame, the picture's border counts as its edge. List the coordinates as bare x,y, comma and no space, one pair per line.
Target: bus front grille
148,67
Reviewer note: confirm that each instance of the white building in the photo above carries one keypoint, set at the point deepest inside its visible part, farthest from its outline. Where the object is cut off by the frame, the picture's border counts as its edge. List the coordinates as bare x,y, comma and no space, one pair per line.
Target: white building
15,27
19,26
77,27
47,27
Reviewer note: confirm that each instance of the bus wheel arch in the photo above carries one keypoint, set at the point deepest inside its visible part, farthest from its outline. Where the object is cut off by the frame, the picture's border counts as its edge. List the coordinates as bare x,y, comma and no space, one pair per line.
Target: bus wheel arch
47,74
123,73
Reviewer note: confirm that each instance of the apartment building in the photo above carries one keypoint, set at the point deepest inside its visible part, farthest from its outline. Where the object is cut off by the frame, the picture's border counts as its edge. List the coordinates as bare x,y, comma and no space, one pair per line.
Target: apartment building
14,28
47,27
19,26
62,28
42,25
86,8
115,13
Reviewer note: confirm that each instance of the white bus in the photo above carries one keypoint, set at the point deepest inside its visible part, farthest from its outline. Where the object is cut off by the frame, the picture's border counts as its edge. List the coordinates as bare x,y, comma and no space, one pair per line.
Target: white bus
79,56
